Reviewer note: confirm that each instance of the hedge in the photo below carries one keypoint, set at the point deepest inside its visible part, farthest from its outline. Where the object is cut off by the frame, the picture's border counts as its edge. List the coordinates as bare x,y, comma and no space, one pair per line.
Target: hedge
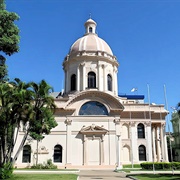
161,165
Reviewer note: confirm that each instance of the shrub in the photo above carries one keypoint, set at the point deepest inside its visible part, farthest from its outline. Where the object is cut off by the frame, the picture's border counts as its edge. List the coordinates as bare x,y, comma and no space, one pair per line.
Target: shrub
47,165
130,166
6,171
176,165
160,165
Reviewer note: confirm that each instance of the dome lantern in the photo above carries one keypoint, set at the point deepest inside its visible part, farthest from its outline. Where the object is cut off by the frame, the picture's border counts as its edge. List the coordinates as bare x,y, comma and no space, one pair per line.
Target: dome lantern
90,42
90,26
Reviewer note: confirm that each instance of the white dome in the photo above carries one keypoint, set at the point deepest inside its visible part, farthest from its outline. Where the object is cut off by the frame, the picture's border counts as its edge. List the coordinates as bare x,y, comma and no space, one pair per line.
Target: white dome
90,41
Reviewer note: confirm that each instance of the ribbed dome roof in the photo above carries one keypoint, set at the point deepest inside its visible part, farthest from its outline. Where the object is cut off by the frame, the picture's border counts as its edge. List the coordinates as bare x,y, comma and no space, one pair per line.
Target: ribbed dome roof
90,41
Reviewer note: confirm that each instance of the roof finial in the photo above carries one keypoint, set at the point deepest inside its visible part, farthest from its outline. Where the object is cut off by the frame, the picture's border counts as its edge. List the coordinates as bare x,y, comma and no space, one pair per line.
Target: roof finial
89,15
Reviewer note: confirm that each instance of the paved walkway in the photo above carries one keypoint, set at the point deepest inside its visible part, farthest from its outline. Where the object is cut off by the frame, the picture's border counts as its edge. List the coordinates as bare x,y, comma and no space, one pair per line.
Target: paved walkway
101,174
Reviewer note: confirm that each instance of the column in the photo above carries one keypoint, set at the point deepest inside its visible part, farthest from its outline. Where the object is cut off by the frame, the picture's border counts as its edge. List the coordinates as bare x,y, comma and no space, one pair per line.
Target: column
67,81
68,141
162,143
113,84
154,144
100,83
158,144
84,150
165,145
102,150
84,76
149,140
105,78
118,143
65,84
78,79
115,90
134,148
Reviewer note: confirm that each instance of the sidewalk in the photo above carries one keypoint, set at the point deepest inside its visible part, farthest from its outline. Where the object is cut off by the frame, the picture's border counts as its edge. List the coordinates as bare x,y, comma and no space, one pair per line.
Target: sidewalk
102,174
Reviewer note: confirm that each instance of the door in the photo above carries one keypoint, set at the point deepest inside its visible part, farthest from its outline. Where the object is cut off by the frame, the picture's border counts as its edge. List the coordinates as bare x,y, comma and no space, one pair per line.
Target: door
93,152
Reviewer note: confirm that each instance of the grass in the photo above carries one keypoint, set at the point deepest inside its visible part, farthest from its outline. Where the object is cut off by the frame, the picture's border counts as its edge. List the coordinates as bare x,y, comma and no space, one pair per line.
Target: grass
156,177
44,177
29,169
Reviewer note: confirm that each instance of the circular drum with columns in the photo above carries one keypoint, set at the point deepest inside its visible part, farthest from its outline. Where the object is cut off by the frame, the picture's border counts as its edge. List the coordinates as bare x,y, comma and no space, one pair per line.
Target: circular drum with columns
90,64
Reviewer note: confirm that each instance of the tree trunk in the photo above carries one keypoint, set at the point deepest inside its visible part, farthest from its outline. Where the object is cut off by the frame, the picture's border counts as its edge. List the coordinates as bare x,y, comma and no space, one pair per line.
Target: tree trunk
20,148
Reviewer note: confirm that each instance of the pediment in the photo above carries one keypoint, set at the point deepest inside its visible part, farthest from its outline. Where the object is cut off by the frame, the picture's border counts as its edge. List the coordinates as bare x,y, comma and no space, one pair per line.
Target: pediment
93,129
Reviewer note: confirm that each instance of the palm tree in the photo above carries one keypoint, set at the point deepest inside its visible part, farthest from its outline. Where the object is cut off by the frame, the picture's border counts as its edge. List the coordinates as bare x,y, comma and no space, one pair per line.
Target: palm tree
14,101
23,104
22,110
5,108
44,107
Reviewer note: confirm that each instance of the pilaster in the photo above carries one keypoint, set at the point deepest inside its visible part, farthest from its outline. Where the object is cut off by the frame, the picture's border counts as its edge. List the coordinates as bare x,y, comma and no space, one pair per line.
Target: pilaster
149,140
84,150
158,144
134,148
78,80
154,144
165,143
68,141
118,143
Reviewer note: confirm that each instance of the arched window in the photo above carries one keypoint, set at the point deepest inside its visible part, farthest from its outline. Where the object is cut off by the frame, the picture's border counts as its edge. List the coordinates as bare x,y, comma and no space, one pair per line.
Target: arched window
91,80
93,108
109,82
90,29
26,158
73,82
141,132
142,153
58,153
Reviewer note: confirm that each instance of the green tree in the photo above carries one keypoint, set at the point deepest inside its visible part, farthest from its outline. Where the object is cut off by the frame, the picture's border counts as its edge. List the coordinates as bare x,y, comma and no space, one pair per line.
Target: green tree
9,37
178,108
43,105
14,104
40,111
26,105
15,99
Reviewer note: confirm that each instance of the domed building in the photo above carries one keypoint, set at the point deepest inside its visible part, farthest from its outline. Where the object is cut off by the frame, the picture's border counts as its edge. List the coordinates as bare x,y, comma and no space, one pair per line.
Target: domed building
97,128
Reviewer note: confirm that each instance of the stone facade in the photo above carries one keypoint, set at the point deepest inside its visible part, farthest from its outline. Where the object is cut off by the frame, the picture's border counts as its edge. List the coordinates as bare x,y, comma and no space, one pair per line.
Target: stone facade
98,128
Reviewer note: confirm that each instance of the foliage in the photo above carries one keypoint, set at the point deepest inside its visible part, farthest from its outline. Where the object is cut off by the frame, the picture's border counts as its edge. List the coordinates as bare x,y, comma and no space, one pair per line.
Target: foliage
130,166
47,165
39,119
9,32
43,121
160,165
6,171
19,110
9,37
15,101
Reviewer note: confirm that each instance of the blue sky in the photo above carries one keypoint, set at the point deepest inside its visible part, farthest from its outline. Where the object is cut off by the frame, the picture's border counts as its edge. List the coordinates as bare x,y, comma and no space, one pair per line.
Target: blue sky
143,35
